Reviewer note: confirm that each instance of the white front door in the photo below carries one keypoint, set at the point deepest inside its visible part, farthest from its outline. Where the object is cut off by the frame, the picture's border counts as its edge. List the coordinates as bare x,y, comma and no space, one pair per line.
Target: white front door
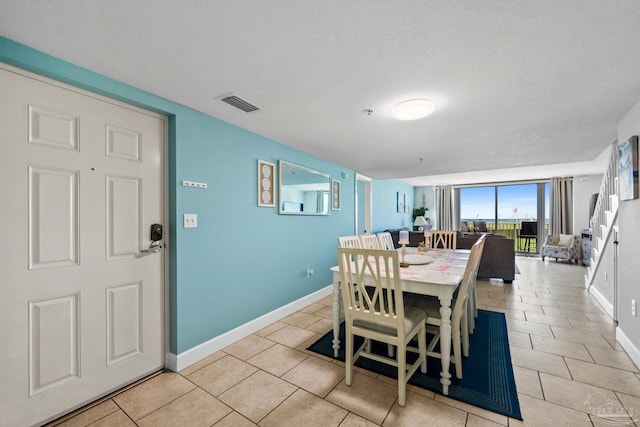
363,216
82,312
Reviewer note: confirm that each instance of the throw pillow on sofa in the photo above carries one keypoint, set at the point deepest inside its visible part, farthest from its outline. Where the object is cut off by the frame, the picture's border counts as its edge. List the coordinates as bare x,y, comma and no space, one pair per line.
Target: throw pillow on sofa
565,240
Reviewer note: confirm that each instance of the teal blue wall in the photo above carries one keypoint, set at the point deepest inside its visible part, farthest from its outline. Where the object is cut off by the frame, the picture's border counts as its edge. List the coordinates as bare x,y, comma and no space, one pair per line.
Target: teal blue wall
242,261
384,198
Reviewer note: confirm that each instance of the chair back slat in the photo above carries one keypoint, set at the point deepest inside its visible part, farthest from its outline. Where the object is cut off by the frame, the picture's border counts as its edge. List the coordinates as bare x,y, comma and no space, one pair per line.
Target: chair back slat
386,241
349,242
443,239
369,241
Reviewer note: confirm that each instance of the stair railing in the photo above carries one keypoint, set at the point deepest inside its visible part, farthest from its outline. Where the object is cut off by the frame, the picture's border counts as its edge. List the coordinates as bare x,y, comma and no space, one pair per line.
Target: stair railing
608,187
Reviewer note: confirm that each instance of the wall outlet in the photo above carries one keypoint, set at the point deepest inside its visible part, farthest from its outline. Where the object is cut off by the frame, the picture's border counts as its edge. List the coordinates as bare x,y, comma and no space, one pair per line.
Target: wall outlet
310,272
633,308
190,221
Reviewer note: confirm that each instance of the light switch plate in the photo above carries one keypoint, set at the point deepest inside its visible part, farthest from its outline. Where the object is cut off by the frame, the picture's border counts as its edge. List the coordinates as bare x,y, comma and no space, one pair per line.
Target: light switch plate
190,220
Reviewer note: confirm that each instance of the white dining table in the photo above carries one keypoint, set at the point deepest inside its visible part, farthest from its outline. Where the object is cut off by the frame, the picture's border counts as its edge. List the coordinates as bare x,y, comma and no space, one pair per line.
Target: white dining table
439,278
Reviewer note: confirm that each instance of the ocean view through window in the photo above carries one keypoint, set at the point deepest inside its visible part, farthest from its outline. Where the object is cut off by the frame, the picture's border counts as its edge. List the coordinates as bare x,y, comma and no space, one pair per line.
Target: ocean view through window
504,207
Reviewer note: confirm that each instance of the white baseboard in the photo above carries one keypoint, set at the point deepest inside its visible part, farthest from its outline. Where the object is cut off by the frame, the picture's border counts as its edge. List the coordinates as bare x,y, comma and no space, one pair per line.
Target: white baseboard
629,346
177,362
608,307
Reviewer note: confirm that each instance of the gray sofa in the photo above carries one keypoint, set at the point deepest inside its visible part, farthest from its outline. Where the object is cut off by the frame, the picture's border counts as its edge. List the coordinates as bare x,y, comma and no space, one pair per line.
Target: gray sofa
415,237
498,258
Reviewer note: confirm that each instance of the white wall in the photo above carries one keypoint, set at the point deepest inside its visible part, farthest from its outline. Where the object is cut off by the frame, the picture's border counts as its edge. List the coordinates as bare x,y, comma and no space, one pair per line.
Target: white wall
583,188
603,281
426,197
628,333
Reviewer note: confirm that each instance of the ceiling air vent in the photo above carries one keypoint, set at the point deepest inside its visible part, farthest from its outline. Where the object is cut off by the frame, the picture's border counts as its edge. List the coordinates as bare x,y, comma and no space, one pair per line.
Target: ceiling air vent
239,103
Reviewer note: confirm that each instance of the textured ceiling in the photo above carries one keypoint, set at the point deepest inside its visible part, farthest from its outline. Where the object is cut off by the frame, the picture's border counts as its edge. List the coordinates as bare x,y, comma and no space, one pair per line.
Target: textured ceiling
516,83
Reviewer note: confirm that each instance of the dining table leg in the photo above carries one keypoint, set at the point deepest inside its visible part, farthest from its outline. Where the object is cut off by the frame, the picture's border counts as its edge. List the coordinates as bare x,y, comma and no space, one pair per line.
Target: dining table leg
336,319
445,343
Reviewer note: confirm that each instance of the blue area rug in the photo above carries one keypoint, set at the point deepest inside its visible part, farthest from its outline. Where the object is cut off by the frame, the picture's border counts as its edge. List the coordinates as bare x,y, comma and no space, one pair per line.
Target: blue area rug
487,380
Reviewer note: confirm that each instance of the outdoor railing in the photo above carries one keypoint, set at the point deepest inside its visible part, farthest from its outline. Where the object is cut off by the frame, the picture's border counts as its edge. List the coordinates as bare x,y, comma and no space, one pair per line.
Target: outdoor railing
511,230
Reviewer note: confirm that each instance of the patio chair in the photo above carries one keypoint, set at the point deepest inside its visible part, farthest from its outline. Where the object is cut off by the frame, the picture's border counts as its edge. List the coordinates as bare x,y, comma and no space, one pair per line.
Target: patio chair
479,226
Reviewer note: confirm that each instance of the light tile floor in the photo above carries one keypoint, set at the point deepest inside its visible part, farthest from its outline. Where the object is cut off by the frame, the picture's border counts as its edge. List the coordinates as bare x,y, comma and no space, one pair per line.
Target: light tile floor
565,358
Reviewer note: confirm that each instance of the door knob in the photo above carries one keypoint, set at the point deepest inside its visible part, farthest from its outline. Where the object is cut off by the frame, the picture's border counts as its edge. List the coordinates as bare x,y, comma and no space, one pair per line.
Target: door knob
154,248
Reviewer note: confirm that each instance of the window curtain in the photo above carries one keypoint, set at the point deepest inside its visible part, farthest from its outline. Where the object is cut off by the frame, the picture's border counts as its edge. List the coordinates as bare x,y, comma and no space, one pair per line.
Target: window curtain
561,205
445,207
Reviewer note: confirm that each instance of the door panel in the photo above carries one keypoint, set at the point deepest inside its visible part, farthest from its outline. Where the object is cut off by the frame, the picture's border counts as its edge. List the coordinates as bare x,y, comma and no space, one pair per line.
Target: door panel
124,332
53,343
81,183
123,143
123,217
53,128
53,217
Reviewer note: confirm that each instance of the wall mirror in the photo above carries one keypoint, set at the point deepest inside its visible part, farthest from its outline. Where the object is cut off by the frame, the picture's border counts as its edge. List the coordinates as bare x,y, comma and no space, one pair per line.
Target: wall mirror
303,191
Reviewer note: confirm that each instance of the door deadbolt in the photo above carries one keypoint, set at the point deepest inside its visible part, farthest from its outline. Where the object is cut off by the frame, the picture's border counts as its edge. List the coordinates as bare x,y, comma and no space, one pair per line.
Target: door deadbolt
156,232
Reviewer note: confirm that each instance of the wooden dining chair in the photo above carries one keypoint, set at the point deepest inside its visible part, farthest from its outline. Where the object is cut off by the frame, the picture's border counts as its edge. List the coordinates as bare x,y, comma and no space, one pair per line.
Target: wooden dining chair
443,239
369,241
386,241
349,242
459,313
379,314
472,306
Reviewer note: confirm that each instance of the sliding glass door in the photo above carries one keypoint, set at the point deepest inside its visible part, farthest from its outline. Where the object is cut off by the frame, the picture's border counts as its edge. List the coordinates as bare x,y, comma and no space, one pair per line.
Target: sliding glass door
517,211
477,204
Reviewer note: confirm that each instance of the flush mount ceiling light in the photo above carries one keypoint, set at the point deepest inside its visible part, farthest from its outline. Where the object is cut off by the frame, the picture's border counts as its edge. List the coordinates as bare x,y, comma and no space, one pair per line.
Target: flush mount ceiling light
413,109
